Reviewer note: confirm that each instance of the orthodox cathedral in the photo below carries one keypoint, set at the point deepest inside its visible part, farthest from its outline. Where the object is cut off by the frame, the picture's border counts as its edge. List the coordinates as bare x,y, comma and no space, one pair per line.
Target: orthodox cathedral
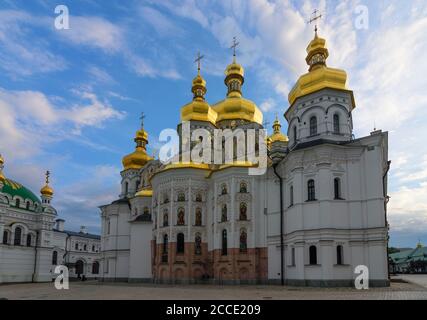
317,213
34,241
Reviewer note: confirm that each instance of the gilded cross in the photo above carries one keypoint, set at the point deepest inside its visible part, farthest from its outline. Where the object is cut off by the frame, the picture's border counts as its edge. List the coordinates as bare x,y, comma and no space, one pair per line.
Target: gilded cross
47,176
315,16
234,46
142,117
198,61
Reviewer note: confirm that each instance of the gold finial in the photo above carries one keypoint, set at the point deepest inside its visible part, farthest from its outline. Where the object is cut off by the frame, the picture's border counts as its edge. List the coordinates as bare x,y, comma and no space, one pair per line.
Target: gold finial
234,46
47,190
198,61
315,16
142,117
277,125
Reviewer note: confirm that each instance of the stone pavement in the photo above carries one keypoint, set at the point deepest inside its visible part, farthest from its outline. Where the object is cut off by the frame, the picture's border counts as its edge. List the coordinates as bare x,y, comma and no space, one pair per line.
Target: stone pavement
98,291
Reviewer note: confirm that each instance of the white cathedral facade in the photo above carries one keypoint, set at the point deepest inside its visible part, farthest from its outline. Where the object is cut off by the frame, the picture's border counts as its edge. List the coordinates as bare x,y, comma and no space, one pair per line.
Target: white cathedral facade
316,214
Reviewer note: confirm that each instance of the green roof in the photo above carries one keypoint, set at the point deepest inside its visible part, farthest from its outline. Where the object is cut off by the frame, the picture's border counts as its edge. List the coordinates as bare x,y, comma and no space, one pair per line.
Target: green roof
14,188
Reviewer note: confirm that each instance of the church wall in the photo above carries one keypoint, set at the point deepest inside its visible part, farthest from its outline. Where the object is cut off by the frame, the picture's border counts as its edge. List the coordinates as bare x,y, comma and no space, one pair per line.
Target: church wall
140,256
17,264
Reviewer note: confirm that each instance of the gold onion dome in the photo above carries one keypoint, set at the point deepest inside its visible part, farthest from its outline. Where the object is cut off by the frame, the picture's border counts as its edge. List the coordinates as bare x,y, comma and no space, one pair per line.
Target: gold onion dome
198,109
319,76
234,106
47,190
277,135
138,158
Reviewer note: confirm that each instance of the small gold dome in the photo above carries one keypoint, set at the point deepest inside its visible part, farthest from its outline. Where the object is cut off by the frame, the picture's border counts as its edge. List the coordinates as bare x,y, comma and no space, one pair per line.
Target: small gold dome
234,69
47,190
138,158
1,160
277,135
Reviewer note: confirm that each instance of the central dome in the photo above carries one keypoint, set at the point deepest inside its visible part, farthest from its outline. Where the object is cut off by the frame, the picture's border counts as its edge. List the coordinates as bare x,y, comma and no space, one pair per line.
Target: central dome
235,107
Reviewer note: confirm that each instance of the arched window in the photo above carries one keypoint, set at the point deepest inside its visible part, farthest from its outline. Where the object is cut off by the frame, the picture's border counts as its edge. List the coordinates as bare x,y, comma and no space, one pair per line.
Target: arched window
165,198
29,239
5,237
224,213
85,247
198,197
27,205
293,256
291,196
137,183
340,255
313,126
337,188
224,189
18,235
55,258
17,203
243,212
108,227
198,244
79,267
336,123
198,219
243,242
126,187
243,187
181,217
165,218
181,196
180,243
95,267
311,191
93,248
224,243
76,246
165,243
295,133
313,255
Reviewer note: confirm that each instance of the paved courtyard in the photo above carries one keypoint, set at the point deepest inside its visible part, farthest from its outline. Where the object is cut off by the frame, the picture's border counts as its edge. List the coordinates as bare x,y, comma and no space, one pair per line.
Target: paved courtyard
412,287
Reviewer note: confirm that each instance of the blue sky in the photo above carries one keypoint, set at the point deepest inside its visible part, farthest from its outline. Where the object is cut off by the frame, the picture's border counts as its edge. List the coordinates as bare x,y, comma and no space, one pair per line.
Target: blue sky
70,99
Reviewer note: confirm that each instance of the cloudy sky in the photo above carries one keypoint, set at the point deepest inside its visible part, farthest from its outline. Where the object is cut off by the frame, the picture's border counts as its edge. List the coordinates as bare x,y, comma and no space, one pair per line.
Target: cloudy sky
70,99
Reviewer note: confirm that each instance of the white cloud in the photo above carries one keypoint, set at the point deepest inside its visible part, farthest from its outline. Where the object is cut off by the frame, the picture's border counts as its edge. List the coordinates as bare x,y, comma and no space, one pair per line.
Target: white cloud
100,75
21,53
268,105
30,120
94,32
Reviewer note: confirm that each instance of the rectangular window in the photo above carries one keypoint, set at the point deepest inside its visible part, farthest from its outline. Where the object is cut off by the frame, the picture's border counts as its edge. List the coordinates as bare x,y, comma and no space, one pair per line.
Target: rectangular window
293,257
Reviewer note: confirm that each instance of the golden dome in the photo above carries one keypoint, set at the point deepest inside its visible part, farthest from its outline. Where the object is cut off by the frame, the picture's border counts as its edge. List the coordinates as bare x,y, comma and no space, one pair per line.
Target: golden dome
1,160
138,158
277,135
238,109
319,76
144,193
47,190
198,109
234,106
